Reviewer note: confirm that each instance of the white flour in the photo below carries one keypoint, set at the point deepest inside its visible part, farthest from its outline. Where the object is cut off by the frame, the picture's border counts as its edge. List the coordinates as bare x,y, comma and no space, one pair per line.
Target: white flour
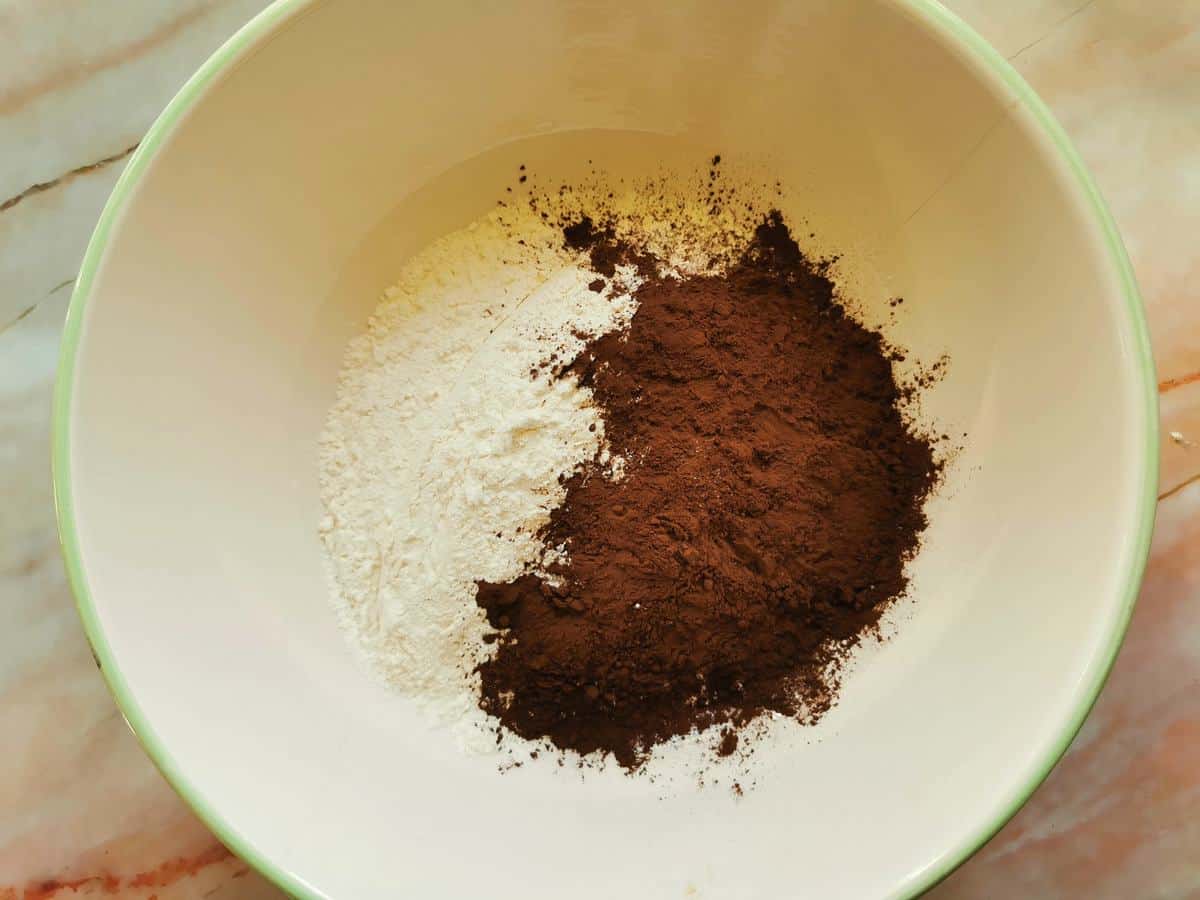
441,457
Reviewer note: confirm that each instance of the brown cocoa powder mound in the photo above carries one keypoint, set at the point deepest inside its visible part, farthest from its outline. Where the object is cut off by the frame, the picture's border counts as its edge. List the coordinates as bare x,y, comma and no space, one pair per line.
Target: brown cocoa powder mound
772,495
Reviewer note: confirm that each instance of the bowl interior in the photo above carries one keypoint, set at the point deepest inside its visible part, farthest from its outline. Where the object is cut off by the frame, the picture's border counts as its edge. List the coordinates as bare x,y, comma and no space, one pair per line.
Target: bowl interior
254,234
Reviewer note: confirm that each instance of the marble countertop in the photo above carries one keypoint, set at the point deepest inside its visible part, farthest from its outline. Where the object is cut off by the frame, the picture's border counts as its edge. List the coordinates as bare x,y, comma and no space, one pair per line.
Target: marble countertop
84,812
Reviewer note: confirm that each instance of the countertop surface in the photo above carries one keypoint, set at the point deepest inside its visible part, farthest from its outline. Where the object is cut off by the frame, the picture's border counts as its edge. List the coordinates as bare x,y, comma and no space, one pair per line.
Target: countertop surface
84,812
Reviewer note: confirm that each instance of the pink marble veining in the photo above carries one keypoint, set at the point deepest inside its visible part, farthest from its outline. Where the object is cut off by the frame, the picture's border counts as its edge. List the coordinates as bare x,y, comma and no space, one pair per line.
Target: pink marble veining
84,813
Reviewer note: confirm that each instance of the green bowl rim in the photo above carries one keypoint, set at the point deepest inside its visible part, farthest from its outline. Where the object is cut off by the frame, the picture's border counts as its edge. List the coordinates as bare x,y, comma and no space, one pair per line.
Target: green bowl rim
932,14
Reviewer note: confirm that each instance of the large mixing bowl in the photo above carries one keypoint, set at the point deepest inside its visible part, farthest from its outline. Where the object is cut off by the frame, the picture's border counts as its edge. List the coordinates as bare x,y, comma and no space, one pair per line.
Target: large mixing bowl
281,191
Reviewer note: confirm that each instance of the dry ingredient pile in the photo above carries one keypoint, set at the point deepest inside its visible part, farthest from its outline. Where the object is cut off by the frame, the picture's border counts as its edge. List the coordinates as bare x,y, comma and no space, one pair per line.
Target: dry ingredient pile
614,471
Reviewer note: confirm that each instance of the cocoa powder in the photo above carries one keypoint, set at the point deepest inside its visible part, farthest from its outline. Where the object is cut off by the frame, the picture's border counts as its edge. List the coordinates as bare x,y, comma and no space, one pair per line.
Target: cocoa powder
772,495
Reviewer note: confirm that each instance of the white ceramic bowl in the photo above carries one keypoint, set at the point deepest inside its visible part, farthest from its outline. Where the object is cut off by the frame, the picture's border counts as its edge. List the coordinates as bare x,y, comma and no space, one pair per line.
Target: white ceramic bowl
279,193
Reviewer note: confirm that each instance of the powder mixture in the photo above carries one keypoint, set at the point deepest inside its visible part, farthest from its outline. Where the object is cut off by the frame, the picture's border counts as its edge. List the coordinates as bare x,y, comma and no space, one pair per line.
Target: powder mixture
613,471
